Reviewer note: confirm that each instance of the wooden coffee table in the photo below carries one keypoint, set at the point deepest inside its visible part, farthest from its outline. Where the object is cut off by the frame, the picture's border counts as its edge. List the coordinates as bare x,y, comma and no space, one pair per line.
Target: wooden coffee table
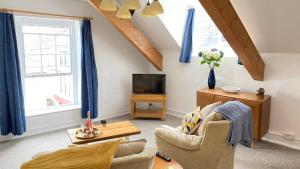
110,131
162,164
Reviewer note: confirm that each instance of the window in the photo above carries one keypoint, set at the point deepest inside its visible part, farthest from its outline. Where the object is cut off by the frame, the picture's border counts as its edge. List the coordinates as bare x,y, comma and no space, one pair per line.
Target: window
49,55
207,35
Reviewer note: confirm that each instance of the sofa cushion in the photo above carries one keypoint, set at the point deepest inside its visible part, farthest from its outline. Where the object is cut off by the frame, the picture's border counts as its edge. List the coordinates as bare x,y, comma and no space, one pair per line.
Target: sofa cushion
95,156
190,121
131,148
211,117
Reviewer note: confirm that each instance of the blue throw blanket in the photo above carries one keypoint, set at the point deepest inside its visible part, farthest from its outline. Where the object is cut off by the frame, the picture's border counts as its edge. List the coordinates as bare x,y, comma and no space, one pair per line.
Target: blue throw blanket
240,116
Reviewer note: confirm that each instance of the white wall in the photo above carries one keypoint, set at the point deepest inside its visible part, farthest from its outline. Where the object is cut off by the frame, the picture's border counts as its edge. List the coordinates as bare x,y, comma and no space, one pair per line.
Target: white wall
281,82
272,24
116,61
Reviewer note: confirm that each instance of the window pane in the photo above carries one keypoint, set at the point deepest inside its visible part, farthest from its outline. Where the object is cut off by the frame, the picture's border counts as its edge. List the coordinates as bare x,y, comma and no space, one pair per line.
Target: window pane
63,40
49,64
33,64
48,44
64,31
64,50
63,59
32,44
47,30
48,92
30,29
63,63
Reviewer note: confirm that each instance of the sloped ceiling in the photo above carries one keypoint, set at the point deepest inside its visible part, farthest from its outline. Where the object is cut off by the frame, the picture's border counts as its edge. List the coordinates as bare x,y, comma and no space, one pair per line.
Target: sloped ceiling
274,25
156,31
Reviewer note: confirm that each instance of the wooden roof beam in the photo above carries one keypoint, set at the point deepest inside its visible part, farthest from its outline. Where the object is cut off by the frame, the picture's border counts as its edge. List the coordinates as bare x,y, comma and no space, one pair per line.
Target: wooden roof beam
227,20
133,35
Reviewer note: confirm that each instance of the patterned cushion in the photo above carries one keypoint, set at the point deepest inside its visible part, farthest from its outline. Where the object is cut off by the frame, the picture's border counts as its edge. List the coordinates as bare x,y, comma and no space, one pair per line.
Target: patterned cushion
190,121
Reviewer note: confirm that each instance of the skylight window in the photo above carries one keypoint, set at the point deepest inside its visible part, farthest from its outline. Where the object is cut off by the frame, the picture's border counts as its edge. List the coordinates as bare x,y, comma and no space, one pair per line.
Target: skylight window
207,36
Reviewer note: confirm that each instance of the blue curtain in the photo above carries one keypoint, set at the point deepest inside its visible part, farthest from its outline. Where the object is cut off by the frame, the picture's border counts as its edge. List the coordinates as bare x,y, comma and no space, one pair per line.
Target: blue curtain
239,62
12,114
89,80
187,43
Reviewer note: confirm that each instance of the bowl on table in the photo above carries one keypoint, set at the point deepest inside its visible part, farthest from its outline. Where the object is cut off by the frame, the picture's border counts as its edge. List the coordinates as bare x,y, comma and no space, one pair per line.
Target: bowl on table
231,89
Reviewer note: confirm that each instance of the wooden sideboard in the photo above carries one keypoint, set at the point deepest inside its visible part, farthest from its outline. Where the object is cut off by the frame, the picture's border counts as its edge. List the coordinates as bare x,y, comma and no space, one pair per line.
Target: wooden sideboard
260,107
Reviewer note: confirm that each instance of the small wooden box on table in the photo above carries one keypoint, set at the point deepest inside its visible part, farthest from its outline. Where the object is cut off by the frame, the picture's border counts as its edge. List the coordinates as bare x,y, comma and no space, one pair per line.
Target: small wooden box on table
148,113
260,107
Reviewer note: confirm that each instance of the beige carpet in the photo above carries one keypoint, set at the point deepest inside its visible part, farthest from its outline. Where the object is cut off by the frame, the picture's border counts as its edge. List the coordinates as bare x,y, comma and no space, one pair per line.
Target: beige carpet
265,156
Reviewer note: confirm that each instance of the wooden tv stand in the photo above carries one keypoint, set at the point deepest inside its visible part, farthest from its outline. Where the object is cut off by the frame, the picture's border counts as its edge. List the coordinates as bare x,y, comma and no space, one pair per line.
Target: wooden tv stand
148,113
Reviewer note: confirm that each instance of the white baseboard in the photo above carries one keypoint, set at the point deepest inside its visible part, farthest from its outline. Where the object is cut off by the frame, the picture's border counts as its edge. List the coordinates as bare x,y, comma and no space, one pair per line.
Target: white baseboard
58,124
175,113
278,138
112,115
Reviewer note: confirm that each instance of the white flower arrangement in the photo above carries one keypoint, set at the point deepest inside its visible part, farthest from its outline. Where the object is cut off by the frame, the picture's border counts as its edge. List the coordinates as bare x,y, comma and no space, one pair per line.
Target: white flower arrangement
211,57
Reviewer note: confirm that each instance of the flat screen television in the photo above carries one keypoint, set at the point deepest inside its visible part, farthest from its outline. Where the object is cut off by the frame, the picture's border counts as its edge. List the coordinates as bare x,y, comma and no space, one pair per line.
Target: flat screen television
149,83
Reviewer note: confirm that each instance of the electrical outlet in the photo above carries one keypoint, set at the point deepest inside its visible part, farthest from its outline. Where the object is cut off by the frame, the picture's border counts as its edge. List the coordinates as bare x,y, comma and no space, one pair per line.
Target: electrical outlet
290,136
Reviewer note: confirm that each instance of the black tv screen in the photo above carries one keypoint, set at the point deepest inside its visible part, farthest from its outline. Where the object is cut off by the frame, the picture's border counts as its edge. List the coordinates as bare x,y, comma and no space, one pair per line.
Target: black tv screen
148,83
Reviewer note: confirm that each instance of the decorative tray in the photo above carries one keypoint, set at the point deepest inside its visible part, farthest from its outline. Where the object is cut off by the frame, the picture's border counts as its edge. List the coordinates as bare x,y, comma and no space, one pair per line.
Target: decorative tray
82,135
231,89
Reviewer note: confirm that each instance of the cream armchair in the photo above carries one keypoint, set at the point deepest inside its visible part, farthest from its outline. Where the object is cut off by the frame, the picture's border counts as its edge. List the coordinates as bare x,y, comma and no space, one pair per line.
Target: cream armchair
209,151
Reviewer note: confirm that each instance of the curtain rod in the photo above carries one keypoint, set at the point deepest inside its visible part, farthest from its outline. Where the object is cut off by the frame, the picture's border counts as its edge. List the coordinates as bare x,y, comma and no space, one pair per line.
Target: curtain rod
43,13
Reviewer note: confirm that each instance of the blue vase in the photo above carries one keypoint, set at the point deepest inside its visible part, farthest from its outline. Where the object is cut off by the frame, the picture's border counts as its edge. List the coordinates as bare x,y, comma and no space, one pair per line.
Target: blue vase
211,79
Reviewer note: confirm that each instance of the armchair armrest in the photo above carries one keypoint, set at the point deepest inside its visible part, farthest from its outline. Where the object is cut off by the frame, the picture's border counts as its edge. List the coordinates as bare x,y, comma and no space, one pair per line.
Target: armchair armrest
168,127
178,139
142,160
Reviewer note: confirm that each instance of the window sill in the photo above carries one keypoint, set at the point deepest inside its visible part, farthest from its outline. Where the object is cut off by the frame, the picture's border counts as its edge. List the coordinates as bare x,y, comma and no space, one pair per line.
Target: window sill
54,110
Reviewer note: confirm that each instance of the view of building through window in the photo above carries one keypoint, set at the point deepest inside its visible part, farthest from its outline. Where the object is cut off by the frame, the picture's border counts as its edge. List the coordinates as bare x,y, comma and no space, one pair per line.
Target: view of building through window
206,34
48,55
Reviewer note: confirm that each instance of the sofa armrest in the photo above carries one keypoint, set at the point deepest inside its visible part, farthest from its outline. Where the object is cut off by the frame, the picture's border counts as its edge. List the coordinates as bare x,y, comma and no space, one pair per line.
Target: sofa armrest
143,160
178,139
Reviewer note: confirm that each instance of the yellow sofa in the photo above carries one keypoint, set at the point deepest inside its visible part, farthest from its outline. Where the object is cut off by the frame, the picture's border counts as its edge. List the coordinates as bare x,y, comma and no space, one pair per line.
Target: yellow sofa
92,156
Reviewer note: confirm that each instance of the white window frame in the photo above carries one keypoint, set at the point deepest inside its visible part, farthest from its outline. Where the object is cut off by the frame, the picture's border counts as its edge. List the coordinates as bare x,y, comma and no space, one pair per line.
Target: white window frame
75,53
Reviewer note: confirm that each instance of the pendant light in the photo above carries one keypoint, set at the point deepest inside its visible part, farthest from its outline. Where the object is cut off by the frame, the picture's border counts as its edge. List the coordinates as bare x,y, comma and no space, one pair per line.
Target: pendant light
123,13
147,11
156,7
108,5
132,4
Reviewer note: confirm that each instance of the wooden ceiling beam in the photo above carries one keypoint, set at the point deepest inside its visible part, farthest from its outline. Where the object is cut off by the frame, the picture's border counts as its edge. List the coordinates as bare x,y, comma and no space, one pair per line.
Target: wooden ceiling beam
227,20
133,35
